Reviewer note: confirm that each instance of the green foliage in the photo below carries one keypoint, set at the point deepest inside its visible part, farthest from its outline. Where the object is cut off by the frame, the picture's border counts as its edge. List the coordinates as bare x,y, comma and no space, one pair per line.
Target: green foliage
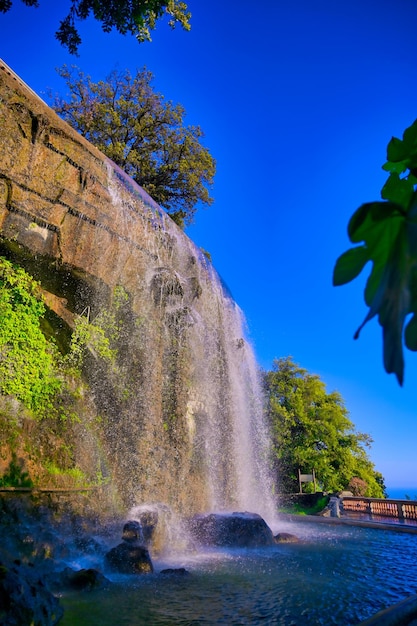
91,336
387,232
38,383
120,297
15,476
143,134
75,474
311,430
31,367
137,17
299,509
27,358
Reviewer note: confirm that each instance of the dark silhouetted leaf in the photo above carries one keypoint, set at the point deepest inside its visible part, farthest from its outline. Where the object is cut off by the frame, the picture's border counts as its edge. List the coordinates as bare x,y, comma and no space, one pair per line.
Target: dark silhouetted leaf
399,190
389,236
396,151
349,265
396,168
388,233
402,154
410,334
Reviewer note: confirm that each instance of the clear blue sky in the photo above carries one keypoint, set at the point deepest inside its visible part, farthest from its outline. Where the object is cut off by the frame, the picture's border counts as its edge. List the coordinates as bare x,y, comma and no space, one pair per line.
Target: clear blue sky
297,101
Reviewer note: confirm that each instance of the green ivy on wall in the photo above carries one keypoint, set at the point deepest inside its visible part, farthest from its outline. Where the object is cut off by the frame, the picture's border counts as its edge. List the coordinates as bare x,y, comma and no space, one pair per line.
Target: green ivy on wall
27,358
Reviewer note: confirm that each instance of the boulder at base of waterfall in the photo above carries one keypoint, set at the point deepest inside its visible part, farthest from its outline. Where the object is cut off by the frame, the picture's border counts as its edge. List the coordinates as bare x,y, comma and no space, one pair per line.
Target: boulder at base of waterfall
240,530
145,526
129,559
83,579
178,571
286,538
132,531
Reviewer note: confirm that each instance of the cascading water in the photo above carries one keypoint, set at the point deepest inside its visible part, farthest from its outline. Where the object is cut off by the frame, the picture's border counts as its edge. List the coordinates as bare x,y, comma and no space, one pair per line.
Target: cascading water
209,382
174,415
234,437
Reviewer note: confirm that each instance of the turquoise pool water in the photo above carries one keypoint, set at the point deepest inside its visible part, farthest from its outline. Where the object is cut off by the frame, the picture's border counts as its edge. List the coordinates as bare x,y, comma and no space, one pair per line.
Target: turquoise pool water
335,575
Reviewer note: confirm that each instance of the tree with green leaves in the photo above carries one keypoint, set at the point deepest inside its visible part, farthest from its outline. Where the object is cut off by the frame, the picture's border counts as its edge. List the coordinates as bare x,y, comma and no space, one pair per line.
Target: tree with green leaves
137,17
144,134
310,430
386,232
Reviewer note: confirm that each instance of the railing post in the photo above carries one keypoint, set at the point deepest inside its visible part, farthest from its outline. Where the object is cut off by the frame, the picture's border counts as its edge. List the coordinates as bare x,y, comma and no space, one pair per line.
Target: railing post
400,510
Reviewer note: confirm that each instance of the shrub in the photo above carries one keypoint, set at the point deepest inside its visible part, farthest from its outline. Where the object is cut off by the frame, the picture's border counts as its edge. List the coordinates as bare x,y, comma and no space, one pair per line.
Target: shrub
357,486
15,476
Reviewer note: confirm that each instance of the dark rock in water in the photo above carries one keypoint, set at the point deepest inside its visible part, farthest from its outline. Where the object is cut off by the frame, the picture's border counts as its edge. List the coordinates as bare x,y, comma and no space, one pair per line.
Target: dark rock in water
79,579
286,538
129,559
132,531
25,598
148,521
179,571
241,530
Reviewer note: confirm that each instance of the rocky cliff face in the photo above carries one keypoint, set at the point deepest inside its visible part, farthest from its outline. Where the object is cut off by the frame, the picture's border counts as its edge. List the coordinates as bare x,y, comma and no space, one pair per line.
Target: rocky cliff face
82,228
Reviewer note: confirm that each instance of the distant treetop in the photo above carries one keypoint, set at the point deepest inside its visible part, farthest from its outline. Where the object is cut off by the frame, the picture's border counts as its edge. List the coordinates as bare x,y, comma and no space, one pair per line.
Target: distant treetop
137,17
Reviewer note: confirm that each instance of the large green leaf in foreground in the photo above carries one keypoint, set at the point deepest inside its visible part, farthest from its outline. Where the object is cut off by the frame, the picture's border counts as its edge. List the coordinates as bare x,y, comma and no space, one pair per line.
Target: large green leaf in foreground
387,234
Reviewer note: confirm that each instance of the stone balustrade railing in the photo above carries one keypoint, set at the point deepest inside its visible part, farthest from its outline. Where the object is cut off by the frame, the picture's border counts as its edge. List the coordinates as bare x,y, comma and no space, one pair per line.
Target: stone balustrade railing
403,510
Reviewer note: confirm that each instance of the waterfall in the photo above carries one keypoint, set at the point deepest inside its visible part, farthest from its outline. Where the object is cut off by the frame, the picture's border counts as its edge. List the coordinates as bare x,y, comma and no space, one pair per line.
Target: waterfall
209,384
229,405
174,414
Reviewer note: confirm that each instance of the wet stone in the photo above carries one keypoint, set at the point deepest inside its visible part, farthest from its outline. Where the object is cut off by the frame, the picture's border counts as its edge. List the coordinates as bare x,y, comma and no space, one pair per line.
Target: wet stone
129,559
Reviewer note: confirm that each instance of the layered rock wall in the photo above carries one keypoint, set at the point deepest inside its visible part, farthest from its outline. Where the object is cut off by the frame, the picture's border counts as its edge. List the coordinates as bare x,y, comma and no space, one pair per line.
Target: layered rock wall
84,229
177,417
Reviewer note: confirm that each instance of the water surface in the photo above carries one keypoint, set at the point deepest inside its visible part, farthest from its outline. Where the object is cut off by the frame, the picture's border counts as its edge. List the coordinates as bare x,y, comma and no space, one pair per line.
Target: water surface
335,575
